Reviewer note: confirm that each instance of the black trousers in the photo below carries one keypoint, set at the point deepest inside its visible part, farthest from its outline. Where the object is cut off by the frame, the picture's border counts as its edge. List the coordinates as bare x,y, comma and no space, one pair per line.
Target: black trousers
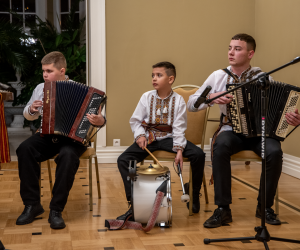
37,149
195,155
227,144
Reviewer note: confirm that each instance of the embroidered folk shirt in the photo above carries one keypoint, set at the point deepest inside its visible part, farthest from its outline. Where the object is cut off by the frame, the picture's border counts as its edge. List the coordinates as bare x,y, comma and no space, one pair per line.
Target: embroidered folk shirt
170,110
218,80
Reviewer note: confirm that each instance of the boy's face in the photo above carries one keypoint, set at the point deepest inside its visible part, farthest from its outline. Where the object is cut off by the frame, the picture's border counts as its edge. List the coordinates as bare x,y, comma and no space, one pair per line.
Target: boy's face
238,53
50,73
160,79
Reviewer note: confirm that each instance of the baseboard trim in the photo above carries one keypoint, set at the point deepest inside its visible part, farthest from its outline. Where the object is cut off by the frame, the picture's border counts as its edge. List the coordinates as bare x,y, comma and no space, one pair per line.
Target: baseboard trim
110,154
291,165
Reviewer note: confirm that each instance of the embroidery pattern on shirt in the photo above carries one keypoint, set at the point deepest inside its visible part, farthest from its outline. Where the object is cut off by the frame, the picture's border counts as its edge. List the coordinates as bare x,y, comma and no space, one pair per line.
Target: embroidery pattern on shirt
158,107
247,75
172,110
139,136
151,109
177,147
252,74
165,116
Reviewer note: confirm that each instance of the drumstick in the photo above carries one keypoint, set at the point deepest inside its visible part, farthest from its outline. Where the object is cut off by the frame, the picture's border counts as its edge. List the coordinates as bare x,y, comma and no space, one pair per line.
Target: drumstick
154,157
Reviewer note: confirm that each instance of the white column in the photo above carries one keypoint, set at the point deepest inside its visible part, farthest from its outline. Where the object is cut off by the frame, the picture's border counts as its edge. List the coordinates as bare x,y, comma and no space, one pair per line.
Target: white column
96,52
41,9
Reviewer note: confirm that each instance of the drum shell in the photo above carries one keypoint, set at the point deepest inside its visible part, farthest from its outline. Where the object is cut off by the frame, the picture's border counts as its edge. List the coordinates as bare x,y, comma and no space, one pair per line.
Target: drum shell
144,193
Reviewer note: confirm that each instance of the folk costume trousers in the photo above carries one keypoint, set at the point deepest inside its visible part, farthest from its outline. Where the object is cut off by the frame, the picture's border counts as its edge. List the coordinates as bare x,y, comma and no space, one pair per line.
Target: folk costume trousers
195,155
227,144
38,149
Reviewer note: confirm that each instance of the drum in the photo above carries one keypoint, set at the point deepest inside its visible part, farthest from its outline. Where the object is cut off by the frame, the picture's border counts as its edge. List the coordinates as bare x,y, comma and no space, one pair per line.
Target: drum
144,188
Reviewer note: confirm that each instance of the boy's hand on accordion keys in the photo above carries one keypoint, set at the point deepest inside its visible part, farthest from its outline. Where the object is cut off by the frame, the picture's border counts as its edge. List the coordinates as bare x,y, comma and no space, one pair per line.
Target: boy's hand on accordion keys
222,100
35,105
96,120
293,118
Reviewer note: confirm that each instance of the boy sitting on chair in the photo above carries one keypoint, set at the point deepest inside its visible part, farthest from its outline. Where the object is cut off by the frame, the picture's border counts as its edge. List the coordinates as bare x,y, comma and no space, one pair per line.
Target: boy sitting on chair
38,149
165,107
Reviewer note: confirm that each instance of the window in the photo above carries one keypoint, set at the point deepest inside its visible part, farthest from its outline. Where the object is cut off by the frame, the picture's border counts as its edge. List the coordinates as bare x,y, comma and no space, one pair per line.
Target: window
65,8
25,9
62,9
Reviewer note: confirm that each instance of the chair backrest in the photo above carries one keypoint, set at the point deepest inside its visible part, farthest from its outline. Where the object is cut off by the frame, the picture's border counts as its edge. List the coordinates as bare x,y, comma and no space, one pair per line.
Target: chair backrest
94,138
196,121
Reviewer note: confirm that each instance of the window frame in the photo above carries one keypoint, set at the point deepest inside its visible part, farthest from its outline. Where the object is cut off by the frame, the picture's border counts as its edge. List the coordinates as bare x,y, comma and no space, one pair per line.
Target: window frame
40,11
57,12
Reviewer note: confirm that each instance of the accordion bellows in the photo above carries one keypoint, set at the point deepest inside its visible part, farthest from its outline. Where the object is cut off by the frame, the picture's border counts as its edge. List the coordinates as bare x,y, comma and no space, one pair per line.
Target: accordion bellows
65,106
245,109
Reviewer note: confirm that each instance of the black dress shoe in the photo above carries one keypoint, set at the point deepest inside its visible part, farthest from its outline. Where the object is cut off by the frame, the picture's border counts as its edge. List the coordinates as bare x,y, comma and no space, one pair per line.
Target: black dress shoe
220,217
124,216
196,201
271,217
29,213
55,220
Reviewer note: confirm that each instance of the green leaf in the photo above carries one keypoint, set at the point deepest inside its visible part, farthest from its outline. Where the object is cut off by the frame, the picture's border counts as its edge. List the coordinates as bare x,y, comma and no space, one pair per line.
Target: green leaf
83,58
58,40
75,34
69,52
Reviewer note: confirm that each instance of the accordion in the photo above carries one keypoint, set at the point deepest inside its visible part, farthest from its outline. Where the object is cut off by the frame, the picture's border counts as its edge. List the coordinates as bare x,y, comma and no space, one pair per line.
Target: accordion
65,105
245,109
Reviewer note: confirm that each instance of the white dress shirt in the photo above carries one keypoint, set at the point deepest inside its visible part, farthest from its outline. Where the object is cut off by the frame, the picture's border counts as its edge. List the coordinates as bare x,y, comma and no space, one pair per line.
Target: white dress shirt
170,110
218,80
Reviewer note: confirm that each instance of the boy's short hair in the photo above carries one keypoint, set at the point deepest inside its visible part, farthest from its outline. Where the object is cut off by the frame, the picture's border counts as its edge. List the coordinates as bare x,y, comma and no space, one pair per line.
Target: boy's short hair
169,68
57,58
251,45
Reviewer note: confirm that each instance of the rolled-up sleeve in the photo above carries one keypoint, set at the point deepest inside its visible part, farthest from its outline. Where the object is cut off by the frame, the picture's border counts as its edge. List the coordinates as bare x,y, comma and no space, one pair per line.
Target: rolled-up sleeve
36,95
179,127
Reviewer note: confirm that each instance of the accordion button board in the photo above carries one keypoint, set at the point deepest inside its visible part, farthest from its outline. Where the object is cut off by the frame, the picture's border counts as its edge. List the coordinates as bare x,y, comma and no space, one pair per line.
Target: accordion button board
65,106
245,109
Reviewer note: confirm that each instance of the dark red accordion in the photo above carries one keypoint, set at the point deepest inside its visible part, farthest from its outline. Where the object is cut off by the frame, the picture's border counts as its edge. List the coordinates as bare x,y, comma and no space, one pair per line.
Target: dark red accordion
65,106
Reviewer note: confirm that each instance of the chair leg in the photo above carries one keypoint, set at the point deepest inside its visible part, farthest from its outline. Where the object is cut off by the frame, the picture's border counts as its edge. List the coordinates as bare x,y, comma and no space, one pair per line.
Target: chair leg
50,177
205,188
40,180
191,193
91,184
98,179
276,202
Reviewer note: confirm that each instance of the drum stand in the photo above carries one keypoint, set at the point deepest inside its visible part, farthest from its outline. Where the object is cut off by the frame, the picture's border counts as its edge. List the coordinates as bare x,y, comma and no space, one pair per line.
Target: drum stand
262,233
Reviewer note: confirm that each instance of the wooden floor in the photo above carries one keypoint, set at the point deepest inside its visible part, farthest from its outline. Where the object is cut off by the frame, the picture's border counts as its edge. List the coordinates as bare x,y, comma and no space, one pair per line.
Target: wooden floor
85,230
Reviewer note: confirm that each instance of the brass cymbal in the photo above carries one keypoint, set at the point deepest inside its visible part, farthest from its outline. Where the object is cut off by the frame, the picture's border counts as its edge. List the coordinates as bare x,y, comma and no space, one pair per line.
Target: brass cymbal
152,169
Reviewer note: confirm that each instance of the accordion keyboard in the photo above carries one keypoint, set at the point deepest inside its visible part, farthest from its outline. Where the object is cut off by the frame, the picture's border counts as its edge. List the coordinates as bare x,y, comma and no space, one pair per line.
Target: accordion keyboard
235,112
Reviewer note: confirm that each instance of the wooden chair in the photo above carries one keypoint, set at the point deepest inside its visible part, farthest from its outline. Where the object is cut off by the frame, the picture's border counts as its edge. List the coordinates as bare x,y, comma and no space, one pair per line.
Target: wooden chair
89,154
195,133
247,156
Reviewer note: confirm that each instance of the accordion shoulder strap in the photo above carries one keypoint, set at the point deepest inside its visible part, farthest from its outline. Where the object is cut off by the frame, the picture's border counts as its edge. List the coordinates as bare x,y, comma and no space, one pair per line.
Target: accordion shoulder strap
229,73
